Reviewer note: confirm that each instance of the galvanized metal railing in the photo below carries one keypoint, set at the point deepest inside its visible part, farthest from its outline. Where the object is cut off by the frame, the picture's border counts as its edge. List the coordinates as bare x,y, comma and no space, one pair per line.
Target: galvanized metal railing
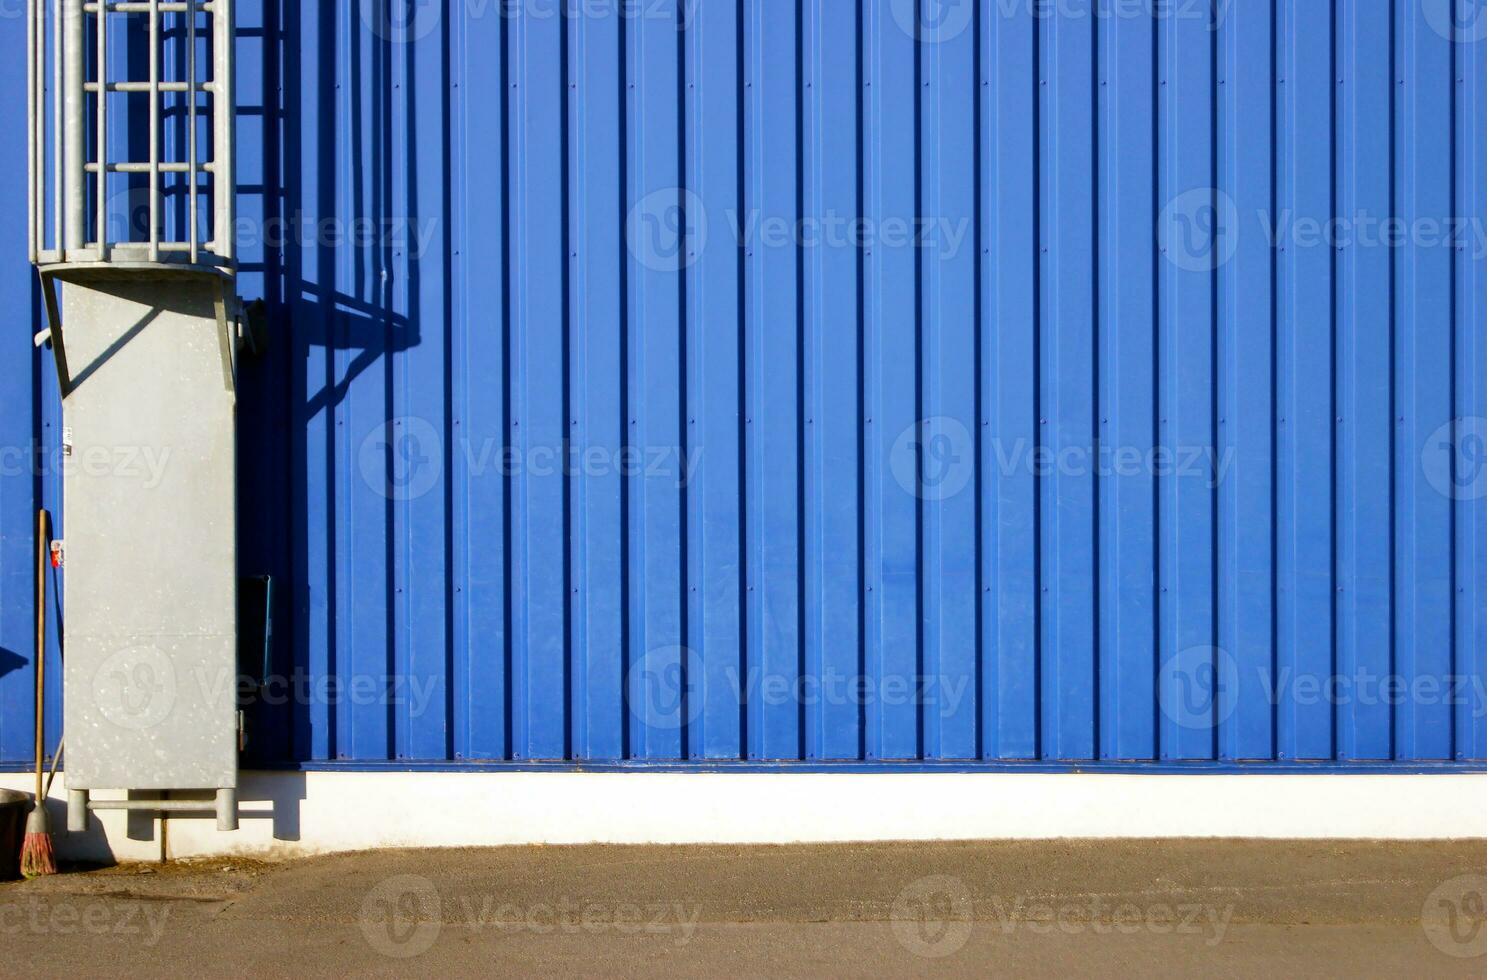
61,172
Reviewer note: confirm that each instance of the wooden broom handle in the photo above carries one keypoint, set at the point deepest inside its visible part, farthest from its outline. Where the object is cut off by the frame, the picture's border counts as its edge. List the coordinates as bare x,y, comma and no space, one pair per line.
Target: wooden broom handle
41,554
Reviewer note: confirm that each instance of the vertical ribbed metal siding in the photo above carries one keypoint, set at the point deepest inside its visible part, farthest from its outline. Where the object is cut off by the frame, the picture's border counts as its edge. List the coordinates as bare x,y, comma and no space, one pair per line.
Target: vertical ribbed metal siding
29,430
1059,613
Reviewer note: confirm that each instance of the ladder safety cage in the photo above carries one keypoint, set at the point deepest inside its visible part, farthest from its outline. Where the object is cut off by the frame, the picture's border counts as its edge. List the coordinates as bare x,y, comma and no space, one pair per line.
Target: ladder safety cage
79,152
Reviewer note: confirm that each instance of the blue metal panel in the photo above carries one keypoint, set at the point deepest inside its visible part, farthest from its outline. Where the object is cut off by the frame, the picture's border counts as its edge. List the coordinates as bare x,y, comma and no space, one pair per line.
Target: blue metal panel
1471,380
1010,504
597,371
1305,392
1247,512
834,606
1423,352
30,450
481,278
1126,387
716,609
656,296
1185,514
1363,367
21,465
848,383
539,412
948,369
891,286
1067,344
370,609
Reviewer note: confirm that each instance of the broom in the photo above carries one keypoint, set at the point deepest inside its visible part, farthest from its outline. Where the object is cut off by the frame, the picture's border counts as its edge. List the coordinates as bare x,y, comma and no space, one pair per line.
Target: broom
37,856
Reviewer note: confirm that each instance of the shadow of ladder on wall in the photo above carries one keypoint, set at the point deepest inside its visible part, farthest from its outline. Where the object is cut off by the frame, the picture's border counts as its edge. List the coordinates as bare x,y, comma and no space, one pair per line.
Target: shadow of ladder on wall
144,332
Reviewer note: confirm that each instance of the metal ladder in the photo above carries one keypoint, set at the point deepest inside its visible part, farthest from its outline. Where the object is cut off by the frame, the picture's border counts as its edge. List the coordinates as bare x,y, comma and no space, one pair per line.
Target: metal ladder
58,60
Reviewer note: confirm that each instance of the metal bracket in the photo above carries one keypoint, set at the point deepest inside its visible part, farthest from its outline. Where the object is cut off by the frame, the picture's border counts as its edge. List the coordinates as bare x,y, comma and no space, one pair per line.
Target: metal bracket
224,805
54,327
253,328
225,305
224,298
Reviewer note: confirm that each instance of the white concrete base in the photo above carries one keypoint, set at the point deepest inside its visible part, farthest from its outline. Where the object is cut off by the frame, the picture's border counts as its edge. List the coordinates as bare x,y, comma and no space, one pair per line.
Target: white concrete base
293,814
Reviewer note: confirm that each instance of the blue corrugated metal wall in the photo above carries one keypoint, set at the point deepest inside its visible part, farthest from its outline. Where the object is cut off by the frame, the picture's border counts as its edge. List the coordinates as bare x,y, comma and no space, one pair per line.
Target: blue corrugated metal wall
852,380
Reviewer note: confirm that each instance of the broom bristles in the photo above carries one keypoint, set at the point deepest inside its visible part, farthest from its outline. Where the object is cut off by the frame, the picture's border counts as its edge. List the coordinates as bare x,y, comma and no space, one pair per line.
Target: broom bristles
37,856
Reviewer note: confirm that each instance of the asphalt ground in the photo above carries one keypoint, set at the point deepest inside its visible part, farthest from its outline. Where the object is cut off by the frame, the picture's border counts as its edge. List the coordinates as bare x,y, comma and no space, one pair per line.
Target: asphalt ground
1216,908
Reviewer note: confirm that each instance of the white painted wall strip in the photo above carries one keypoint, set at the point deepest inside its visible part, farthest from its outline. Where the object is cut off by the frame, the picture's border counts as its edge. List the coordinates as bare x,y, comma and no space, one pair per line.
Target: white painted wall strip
292,814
